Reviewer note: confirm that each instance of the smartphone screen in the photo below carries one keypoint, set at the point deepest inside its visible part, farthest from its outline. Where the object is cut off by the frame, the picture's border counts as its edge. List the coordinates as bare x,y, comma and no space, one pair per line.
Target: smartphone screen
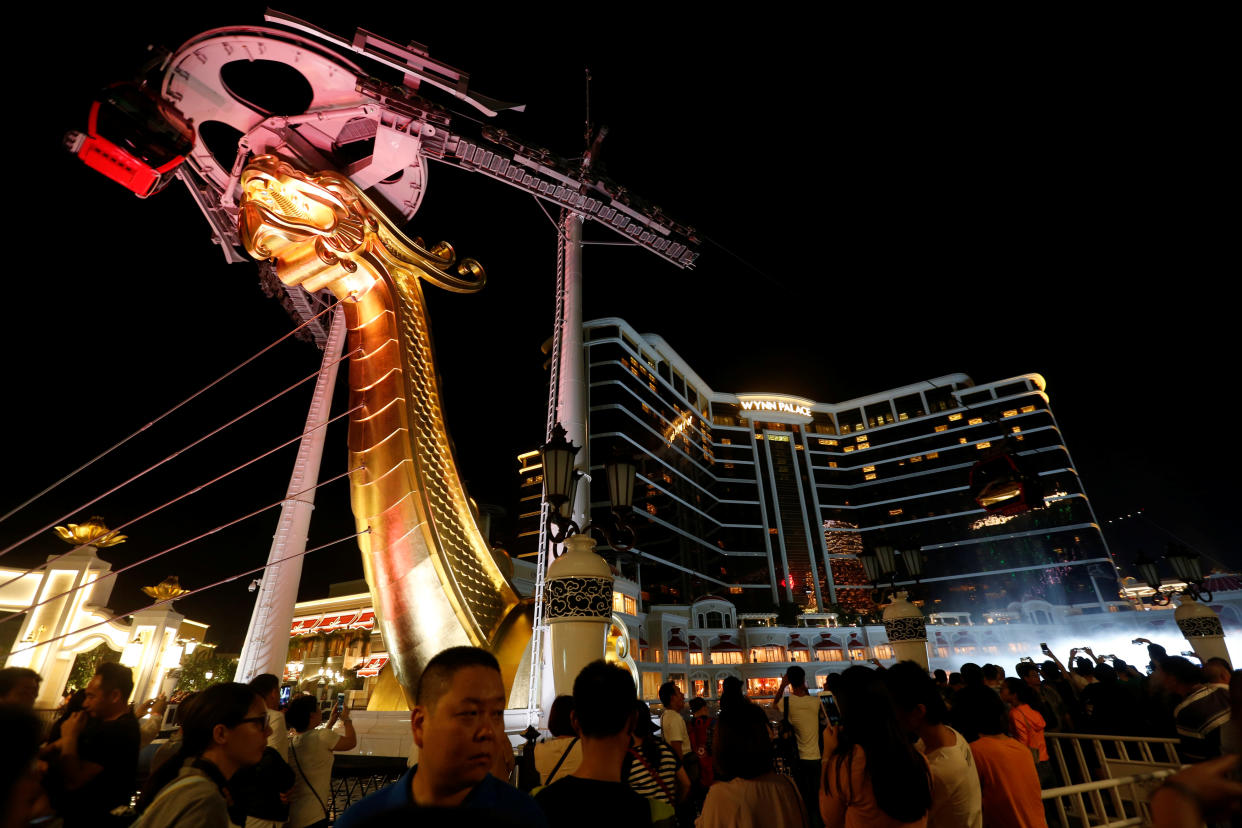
831,710
340,700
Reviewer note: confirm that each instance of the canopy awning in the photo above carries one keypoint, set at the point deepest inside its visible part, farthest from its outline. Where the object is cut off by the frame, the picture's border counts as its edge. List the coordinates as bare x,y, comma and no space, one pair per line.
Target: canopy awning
302,626
364,621
796,643
332,623
372,666
724,645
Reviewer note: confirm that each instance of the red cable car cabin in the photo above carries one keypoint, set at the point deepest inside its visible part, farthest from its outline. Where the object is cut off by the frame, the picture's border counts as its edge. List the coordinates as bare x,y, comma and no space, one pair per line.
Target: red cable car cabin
135,139
1000,487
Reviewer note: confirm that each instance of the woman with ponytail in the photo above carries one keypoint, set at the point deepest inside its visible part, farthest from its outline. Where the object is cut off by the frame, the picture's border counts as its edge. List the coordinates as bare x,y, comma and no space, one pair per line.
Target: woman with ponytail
873,777
224,728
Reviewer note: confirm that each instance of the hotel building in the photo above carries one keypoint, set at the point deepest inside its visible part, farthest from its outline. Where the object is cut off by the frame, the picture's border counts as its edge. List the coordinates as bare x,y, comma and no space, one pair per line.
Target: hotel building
767,498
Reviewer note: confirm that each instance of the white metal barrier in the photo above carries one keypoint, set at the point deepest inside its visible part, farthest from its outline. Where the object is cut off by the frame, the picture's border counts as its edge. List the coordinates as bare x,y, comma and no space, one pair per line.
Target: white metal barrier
1106,779
1085,806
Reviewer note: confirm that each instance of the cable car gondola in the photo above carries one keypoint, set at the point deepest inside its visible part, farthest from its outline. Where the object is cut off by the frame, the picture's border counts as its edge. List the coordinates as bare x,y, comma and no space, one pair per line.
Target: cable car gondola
1001,486
134,138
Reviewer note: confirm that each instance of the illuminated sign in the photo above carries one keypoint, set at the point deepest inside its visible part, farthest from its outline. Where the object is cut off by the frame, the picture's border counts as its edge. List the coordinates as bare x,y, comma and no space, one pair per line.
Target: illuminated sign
779,406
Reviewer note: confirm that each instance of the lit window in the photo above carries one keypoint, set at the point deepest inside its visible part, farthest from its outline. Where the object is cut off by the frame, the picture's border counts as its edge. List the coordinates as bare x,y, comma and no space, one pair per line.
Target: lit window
832,464
1013,412
932,455
771,531
961,440
884,652
651,509
696,658
903,416
849,448
799,655
942,428
983,445
676,656
868,468
864,445
918,458
830,654
869,476
858,653
618,602
862,438
1027,409
725,441
895,512
974,421
735,590
953,417
827,442
728,465
1016,429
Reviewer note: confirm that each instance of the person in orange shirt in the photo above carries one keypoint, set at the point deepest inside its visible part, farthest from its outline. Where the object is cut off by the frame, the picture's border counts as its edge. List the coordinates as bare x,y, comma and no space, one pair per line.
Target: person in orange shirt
1007,776
1026,724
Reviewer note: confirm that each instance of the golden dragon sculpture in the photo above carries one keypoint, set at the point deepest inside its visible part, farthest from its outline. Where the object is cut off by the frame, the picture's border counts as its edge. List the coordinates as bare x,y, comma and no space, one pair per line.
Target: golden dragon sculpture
432,575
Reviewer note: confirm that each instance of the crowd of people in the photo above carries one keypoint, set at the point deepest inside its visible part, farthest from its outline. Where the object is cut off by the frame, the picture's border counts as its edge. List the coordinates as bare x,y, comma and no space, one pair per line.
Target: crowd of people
874,748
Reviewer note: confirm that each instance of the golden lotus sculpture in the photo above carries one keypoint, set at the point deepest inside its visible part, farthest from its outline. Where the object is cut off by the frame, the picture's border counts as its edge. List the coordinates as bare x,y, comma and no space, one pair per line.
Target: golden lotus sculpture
93,532
432,575
168,588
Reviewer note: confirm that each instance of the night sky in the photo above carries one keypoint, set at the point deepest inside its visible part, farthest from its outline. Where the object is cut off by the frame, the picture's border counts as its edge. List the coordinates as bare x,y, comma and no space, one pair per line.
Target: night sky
879,205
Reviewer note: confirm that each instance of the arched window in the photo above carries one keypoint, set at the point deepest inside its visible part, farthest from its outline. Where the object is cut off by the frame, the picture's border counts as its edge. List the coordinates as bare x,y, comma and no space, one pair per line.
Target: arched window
715,620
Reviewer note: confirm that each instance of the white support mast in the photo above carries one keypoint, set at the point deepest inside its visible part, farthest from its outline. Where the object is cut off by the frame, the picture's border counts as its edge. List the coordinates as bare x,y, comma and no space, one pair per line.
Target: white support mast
267,640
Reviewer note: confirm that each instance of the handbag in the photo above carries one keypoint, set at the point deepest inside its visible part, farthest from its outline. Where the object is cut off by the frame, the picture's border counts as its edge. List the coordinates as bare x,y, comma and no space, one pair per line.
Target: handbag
786,743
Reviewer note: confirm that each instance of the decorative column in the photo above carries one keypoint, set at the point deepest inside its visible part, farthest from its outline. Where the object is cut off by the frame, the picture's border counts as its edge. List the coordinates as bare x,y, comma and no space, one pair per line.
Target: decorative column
1202,629
267,639
907,630
578,610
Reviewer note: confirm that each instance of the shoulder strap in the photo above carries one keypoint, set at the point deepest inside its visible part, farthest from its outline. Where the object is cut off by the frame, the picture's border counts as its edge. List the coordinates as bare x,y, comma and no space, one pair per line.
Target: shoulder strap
638,754
298,762
786,718
561,761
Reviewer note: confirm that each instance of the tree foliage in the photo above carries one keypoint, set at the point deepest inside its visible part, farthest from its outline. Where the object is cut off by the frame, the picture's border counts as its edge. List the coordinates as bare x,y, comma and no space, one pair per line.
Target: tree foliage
85,664
194,670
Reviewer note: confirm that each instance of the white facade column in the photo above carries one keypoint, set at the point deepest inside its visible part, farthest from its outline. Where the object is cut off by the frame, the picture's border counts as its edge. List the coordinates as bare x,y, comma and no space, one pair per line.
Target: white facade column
267,639
571,384
153,650
906,630
1201,627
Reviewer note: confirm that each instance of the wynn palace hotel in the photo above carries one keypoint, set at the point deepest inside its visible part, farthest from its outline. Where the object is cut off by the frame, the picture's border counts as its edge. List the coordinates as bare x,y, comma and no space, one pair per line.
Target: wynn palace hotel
764,498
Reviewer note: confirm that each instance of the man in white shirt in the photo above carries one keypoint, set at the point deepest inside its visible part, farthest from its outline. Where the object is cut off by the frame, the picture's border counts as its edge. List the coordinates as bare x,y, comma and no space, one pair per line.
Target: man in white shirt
672,723
806,715
957,799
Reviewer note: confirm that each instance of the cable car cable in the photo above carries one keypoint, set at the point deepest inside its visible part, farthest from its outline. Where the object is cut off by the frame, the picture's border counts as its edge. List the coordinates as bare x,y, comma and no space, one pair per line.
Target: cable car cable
197,393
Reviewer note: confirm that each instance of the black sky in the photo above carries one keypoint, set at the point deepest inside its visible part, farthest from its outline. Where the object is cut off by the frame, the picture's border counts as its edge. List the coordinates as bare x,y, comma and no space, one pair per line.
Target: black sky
881,202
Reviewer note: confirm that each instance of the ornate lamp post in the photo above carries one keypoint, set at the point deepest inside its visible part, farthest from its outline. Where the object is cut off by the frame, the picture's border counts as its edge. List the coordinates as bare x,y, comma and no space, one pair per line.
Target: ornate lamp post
578,586
1198,622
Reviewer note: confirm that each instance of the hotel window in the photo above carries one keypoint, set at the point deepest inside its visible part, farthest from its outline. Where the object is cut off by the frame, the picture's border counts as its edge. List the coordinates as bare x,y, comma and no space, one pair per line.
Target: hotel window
618,602
1016,429
849,448
758,687
725,441
767,654
727,657
858,653
932,455
895,512
868,468
983,445
700,687
830,654
1027,409
850,420
942,428
909,406
884,652
735,590
676,656
1013,412
651,685
953,417
832,464
696,658
864,446
974,421
862,438
918,458
869,476
879,414
961,441
800,655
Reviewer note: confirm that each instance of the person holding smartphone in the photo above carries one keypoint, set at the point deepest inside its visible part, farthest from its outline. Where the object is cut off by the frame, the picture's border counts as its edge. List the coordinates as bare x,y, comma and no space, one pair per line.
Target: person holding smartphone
310,754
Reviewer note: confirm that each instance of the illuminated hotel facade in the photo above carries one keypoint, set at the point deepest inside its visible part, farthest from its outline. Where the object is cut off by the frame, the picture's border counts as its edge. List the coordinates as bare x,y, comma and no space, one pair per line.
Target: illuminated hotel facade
767,498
